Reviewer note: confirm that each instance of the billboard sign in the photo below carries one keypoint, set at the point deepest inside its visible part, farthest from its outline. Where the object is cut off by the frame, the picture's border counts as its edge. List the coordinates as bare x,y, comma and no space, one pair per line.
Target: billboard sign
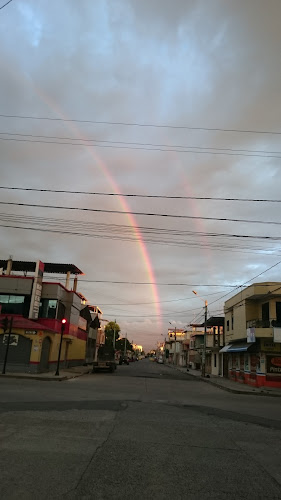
273,365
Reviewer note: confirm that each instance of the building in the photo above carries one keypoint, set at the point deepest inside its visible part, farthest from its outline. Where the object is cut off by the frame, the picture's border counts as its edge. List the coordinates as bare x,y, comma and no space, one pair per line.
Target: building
195,350
174,346
214,342
37,308
253,335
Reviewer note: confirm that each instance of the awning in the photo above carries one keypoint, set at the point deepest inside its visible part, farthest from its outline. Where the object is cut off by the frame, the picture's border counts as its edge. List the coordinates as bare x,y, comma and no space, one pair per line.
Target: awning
242,347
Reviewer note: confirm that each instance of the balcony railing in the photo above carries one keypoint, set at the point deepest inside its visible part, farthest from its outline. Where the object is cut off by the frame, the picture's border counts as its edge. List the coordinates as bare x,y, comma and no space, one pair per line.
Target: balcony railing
263,323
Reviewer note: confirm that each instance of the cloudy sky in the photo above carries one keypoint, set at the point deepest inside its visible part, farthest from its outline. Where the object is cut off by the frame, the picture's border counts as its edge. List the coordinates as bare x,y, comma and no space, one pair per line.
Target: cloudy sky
153,97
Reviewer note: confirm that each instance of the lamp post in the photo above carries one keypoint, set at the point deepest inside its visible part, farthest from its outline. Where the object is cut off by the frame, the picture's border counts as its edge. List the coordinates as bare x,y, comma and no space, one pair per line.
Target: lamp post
203,368
63,321
114,335
5,324
175,353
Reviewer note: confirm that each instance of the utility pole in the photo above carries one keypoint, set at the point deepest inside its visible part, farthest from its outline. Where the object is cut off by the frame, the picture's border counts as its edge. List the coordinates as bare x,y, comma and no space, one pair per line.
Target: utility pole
114,335
205,341
5,327
203,364
175,355
63,321
125,345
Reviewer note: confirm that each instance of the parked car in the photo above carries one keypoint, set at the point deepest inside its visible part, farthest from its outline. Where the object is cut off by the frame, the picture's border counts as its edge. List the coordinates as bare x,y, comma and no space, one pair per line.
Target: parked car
160,359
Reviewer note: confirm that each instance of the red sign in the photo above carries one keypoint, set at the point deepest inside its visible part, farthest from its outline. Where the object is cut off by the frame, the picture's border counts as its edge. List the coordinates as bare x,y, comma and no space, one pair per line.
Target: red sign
274,364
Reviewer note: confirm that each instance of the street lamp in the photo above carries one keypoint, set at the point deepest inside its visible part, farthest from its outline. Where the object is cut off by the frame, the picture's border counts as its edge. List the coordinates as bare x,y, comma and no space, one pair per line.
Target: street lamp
203,369
63,321
175,353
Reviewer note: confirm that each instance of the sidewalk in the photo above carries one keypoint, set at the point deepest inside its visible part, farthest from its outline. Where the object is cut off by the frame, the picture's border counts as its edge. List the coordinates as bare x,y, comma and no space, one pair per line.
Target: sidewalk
75,371
228,385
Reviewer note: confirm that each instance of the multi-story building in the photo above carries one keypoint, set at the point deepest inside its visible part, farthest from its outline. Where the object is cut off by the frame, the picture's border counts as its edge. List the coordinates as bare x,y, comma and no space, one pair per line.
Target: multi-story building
174,345
214,343
36,308
253,335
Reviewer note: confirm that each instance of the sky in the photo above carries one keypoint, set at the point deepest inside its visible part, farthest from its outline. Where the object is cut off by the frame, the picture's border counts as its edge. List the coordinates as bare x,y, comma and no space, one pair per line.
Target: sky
153,98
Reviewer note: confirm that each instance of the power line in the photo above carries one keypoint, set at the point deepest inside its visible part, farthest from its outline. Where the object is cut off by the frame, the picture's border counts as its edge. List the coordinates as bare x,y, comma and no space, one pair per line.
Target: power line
155,302
137,148
134,195
219,247
136,124
223,285
118,228
251,279
5,4
141,145
137,213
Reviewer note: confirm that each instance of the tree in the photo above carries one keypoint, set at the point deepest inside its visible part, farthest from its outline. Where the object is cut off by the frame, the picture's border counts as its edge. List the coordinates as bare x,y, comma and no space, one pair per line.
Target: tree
120,345
109,332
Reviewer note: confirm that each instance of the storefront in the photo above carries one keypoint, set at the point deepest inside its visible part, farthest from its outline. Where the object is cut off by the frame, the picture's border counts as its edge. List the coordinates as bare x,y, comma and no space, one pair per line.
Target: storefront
257,364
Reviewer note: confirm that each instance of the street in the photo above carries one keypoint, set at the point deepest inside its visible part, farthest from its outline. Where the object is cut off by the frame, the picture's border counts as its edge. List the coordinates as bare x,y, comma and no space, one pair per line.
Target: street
146,431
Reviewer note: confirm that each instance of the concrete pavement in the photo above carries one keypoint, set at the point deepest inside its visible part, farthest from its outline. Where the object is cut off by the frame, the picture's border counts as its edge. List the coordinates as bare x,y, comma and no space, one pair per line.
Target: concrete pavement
145,431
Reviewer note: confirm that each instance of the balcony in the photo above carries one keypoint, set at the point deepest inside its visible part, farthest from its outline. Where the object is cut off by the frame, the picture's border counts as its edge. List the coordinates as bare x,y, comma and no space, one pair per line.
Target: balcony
263,323
263,327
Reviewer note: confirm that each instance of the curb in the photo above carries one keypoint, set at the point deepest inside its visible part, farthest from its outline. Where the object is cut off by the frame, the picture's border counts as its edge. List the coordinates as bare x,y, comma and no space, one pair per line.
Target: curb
228,389
45,379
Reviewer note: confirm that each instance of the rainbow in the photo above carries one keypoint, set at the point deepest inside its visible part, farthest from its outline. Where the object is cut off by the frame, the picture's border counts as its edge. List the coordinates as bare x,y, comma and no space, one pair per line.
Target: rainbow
123,202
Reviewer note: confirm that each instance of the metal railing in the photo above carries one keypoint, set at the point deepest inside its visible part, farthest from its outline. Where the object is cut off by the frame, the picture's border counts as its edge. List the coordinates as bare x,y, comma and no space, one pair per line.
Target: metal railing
263,323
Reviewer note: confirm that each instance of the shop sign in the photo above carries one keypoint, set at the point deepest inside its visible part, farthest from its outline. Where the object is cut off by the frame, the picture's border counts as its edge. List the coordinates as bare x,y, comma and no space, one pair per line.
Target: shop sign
36,291
274,365
30,332
251,335
254,362
14,339
269,345
277,335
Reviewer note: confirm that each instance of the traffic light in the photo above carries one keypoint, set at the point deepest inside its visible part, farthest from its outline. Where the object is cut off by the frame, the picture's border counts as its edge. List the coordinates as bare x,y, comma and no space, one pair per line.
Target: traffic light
5,323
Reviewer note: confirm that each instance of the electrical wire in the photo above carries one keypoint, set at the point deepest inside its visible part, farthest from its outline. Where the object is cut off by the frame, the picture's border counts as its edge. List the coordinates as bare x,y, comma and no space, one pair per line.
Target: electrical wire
134,195
136,124
138,145
246,282
179,244
138,148
2,7
84,209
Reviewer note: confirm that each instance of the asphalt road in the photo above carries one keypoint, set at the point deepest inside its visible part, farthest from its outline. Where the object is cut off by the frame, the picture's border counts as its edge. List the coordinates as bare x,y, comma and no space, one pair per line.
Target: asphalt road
145,432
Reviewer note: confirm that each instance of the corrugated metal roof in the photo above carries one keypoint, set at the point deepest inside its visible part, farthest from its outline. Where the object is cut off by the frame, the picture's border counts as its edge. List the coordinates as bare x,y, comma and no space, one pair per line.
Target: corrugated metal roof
50,267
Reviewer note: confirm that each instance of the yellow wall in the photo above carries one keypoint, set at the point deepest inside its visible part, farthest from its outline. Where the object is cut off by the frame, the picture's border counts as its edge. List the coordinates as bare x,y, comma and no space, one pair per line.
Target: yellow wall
76,349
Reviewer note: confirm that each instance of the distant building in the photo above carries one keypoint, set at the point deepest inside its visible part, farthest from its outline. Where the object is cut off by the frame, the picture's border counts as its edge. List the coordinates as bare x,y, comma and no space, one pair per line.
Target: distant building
37,308
253,335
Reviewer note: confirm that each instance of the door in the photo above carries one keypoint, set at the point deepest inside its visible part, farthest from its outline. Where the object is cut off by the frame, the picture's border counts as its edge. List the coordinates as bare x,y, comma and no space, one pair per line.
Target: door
45,352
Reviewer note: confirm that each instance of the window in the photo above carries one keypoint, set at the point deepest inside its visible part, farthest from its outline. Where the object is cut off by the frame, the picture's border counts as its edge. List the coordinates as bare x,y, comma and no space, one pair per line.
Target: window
278,314
265,311
227,325
15,304
232,322
61,311
48,308
215,360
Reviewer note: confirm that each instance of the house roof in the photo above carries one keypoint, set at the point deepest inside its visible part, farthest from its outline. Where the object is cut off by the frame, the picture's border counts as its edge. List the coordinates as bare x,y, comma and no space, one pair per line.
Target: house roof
49,267
26,324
